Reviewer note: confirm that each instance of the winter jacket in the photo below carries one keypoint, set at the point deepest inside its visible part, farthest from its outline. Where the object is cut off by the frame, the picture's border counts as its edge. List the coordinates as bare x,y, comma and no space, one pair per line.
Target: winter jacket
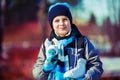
85,50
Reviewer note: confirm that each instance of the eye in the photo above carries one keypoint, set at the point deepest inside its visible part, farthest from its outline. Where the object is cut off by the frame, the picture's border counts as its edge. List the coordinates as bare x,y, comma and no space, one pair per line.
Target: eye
65,19
56,20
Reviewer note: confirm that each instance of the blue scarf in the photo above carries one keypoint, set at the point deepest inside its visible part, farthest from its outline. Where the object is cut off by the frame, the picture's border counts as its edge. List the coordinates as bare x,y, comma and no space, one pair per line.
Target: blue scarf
60,69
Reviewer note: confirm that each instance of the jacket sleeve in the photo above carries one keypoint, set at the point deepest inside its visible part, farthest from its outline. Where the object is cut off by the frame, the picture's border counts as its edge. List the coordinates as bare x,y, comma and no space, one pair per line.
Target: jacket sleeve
37,68
94,64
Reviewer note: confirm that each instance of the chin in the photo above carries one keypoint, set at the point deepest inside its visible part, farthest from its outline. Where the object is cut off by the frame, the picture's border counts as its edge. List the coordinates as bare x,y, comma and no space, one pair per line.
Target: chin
62,35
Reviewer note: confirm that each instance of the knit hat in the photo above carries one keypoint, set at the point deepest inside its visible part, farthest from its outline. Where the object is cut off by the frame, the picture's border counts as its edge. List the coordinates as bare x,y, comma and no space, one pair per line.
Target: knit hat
57,10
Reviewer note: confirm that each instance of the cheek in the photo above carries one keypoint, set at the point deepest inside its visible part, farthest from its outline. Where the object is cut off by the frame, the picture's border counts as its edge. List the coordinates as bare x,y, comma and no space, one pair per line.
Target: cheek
68,26
68,23
55,26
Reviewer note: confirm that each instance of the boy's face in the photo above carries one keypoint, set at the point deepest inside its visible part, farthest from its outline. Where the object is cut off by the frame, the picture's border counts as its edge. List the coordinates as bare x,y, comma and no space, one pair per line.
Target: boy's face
61,25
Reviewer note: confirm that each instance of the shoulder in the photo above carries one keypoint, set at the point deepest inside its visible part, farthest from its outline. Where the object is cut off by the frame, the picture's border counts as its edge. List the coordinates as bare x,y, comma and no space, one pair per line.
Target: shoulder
86,38
88,42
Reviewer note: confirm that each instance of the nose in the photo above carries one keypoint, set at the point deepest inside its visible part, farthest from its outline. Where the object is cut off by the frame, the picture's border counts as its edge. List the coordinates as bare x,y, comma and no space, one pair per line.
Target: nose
61,22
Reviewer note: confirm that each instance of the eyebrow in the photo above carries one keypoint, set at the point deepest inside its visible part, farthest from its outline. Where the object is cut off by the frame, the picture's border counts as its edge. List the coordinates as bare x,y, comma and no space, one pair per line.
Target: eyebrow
62,18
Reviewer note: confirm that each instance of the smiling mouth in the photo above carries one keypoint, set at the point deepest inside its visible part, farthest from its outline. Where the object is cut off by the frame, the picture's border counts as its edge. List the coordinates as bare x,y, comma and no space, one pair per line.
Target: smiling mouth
62,28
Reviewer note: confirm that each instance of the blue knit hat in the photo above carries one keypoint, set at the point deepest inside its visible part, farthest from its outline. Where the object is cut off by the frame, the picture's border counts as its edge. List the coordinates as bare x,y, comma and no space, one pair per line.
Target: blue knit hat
57,10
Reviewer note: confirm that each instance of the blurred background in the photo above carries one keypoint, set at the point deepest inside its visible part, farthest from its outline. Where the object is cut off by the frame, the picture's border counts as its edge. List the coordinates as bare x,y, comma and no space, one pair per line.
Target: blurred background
24,26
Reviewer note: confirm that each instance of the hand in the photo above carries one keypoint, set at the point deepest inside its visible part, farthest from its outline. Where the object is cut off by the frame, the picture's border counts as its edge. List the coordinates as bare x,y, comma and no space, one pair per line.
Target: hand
78,71
48,66
51,51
